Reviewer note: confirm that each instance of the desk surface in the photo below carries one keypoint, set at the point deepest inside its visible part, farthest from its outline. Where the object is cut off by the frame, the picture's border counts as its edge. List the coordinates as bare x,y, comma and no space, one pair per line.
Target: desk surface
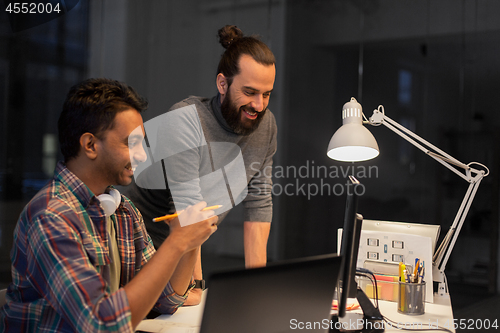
188,319
436,314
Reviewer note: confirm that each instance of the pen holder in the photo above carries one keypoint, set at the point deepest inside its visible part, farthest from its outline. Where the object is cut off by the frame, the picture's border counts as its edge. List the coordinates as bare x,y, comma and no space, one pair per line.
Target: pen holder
411,298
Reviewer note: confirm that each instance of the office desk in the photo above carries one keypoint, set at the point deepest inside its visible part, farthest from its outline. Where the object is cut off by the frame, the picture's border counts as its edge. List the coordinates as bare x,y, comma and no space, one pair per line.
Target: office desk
439,313
436,314
188,319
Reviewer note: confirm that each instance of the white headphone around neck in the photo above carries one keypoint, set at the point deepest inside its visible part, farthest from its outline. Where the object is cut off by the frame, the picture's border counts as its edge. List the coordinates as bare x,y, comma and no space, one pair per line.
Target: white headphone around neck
110,202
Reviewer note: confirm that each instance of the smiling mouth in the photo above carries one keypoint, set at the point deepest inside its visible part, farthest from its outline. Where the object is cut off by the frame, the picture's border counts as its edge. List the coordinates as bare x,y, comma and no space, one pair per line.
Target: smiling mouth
251,114
130,168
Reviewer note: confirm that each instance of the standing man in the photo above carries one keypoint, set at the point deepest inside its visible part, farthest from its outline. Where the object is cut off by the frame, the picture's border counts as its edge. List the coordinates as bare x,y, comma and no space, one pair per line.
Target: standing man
237,115
82,260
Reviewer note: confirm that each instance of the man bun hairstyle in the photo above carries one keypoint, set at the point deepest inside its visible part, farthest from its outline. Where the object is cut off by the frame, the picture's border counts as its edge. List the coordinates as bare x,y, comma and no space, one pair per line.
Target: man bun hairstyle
91,107
237,44
229,34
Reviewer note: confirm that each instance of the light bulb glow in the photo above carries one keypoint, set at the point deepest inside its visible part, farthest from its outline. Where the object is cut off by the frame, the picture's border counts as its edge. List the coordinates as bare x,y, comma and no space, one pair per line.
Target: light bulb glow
352,153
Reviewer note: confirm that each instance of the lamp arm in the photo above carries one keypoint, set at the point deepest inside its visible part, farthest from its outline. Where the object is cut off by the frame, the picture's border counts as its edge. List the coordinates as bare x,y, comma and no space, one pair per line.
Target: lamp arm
441,257
472,175
442,254
379,118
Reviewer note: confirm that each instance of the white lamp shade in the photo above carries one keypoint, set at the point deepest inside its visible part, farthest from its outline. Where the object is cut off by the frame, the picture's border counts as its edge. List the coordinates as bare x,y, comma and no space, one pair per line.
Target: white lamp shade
352,143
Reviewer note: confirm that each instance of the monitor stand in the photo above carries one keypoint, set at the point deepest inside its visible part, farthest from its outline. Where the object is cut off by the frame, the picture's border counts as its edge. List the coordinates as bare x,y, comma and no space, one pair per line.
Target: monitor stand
370,321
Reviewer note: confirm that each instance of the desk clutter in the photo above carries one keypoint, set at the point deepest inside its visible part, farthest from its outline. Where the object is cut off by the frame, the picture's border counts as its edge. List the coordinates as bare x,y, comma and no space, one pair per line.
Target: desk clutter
387,287
411,291
409,275
383,245
411,298
388,277
407,287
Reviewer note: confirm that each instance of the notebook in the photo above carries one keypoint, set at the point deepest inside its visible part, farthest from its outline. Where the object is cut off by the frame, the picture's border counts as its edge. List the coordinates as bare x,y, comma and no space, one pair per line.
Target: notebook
280,297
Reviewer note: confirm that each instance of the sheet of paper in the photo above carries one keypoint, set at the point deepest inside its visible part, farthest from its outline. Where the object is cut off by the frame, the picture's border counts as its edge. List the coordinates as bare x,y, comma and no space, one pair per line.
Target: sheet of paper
390,246
187,319
158,326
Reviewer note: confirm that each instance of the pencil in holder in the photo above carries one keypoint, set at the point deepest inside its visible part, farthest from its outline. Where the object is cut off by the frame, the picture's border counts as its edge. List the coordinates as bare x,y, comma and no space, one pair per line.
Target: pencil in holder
411,298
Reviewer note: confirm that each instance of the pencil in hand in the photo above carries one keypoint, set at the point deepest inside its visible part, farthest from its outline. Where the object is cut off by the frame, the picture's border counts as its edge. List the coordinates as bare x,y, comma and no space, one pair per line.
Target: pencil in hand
173,216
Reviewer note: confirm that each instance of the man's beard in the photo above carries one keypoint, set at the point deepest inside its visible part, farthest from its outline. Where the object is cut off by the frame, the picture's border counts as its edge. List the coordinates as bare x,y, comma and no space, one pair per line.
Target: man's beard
232,115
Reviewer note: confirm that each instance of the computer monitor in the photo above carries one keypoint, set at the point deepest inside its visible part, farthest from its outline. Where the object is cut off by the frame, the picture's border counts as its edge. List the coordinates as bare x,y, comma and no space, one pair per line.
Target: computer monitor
349,252
279,297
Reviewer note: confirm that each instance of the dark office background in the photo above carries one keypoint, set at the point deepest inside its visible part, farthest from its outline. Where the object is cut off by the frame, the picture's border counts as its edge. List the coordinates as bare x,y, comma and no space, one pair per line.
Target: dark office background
434,65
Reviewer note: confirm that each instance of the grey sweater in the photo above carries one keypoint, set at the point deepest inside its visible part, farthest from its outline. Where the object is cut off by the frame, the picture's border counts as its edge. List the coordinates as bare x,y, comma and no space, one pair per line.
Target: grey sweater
203,159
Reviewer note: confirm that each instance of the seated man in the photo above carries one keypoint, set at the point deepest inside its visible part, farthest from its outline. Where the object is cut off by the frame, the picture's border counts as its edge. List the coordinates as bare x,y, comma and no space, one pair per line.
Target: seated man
79,265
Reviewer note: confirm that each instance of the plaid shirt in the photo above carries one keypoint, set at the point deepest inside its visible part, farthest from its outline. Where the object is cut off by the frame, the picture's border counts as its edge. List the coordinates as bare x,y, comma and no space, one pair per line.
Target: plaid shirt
60,262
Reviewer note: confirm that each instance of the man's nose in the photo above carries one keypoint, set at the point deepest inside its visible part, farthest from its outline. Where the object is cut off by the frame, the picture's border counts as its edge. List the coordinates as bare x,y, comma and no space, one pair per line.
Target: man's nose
258,103
140,154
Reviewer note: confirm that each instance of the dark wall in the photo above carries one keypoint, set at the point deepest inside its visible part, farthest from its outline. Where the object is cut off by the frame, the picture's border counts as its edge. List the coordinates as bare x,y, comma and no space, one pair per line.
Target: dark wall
450,101
37,68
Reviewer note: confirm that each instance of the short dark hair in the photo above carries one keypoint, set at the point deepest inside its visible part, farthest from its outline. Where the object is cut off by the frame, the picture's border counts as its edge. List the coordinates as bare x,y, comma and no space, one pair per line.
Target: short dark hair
91,107
236,44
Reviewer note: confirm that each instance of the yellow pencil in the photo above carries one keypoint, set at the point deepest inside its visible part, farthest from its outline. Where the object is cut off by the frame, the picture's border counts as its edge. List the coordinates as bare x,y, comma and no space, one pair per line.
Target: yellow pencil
172,216
415,272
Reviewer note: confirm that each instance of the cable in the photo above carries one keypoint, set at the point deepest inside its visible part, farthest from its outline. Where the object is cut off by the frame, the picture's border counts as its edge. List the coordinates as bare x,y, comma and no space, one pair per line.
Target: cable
366,273
395,325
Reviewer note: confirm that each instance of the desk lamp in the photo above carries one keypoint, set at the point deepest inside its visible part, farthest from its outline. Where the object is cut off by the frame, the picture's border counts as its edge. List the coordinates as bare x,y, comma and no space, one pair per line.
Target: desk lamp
353,142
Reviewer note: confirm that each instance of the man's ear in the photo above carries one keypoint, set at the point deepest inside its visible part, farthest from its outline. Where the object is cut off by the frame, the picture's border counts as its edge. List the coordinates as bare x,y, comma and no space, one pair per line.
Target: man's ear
222,84
88,144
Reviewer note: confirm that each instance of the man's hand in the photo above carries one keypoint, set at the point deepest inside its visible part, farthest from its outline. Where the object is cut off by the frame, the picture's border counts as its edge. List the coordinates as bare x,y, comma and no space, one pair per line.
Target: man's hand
202,225
173,261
